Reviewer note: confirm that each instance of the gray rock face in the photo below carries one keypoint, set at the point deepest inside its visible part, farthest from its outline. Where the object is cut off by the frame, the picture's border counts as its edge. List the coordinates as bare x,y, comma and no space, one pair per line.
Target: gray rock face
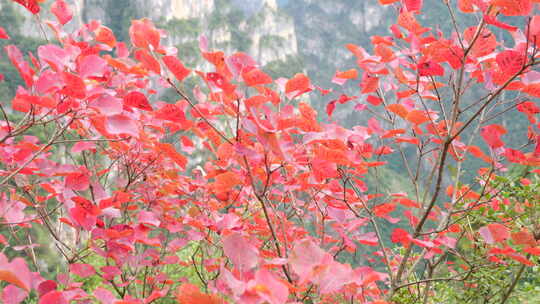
269,31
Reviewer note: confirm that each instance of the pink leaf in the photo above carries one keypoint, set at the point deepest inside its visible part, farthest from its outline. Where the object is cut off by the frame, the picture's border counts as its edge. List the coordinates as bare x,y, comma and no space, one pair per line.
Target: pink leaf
15,272
486,234
62,11
92,66
107,105
83,146
149,218
121,124
13,295
242,253
16,58
104,295
334,277
276,292
304,257
237,62
82,270
12,211
447,241
55,56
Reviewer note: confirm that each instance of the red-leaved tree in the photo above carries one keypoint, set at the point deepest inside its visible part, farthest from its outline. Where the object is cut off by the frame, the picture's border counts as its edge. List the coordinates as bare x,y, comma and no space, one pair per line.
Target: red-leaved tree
238,193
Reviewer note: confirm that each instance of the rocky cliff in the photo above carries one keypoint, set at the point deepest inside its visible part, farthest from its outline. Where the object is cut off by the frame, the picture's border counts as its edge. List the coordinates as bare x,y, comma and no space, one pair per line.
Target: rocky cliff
258,27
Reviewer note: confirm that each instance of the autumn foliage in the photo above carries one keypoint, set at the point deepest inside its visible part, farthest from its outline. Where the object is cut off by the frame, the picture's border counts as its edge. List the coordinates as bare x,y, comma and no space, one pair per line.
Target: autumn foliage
272,202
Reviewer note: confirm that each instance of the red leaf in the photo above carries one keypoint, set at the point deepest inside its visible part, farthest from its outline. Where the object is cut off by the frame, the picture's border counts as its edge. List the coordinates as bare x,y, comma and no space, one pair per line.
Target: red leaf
492,135
466,6
256,77
430,68
494,21
514,156
30,5
374,100
143,34
533,251
369,239
369,83
510,62
171,153
528,108
176,67
400,235
190,294
484,45
226,181
477,152
53,297
78,181
74,86
297,86
422,243
137,100
342,77
407,202
494,233
413,5
62,11
148,61
524,237
514,7
417,117
398,109
330,107
171,112
383,209
105,35
3,34
46,286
